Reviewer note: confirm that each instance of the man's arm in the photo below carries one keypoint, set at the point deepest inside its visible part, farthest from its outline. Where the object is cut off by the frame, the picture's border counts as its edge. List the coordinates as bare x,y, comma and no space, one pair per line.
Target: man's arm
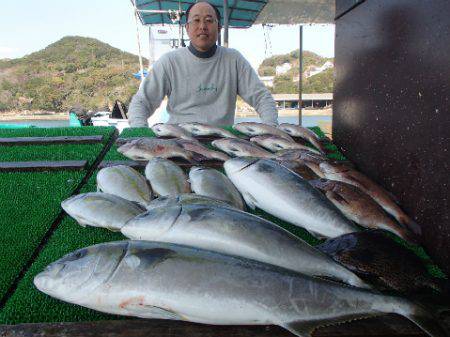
149,96
255,93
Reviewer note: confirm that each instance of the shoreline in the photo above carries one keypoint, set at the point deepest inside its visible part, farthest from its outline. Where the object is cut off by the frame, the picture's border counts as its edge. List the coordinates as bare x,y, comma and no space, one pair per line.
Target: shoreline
65,116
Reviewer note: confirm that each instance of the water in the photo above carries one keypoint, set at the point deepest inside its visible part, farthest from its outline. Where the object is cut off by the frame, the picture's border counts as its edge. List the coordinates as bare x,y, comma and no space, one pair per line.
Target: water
306,121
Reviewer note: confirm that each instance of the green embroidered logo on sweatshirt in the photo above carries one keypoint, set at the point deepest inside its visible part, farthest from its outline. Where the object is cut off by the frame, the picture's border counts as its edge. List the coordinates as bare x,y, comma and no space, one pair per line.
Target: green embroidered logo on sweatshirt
205,89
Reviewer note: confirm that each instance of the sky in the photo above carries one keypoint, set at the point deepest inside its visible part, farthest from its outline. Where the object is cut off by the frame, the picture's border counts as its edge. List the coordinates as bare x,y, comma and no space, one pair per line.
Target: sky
29,25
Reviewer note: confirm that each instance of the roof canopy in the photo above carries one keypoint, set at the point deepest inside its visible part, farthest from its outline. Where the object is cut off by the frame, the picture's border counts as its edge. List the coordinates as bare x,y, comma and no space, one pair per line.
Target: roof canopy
242,13
297,12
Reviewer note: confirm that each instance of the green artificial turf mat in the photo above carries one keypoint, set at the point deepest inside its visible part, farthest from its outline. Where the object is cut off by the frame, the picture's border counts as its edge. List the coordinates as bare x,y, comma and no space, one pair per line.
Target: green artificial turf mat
55,152
27,304
30,201
29,205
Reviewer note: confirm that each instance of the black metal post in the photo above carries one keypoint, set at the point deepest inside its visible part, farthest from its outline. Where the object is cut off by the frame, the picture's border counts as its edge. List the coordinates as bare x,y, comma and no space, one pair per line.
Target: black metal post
300,76
225,23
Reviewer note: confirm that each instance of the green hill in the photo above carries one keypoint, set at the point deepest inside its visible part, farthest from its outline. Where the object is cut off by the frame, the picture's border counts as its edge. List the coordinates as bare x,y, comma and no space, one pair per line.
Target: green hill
72,71
285,84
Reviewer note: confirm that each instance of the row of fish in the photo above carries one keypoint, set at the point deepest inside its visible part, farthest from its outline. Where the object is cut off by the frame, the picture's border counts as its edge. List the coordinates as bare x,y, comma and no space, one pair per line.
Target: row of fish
213,264
199,257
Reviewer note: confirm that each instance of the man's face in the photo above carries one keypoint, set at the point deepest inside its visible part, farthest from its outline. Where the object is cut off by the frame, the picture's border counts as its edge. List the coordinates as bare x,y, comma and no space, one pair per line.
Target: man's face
202,26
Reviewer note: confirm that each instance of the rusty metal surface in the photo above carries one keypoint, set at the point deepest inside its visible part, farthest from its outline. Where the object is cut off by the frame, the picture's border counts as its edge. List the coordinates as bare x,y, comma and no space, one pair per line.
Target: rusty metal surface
391,109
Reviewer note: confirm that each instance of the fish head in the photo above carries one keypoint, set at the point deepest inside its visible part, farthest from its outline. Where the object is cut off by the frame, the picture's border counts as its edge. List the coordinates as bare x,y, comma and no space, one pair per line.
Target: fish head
74,276
286,128
195,171
246,128
135,150
238,164
331,168
153,224
160,129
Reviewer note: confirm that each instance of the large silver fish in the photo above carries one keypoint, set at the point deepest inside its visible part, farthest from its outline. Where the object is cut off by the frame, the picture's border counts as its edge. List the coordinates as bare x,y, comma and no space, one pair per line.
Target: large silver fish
360,207
157,280
302,132
258,129
166,178
195,146
214,184
200,129
240,148
101,210
171,130
277,190
185,199
380,195
148,148
230,231
276,143
125,182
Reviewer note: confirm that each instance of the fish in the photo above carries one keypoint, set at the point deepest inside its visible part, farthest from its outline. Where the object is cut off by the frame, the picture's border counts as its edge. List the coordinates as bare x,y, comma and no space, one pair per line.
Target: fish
304,133
200,129
202,150
166,178
103,210
230,231
258,129
125,182
299,168
276,143
185,199
360,207
240,147
278,191
148,148
347,175
303,157
377,258
214,184
172,130
167,281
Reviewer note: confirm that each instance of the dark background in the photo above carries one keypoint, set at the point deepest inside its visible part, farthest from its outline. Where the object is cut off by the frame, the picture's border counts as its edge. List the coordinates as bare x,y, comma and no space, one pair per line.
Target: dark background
391,105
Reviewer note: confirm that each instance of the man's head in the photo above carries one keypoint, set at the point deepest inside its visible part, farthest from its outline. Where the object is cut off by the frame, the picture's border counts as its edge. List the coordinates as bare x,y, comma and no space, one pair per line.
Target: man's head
202,25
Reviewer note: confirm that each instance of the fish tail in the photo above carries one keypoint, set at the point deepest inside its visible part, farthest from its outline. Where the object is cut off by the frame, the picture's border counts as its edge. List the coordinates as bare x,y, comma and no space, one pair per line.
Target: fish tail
411,224
423,318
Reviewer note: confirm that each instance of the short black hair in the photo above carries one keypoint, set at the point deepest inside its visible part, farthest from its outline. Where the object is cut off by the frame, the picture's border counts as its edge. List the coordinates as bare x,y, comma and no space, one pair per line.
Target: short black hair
214,7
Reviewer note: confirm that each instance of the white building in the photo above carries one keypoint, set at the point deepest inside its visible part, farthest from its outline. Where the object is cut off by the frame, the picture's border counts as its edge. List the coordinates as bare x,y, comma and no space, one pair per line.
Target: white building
267,80
317,70
283,69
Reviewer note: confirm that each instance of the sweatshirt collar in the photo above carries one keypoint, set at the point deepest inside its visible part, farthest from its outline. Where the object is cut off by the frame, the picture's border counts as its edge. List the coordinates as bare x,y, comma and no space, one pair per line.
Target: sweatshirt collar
203,54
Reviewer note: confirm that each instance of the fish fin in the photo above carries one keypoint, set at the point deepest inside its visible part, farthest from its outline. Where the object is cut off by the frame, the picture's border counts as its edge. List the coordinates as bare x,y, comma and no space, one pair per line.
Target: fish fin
336,197
249,200
300,328
427,322
411,225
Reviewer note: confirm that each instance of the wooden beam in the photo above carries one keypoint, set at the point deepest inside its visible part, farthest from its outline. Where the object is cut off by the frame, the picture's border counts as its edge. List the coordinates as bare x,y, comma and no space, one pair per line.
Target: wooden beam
383,326
50,140
31,166
179,161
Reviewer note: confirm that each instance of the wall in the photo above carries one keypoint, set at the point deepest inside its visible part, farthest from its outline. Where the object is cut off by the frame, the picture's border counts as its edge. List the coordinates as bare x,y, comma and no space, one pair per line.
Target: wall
391,105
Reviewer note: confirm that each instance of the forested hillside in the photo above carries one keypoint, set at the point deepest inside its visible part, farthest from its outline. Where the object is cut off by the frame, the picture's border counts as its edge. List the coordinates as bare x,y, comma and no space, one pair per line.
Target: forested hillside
287,83
72,71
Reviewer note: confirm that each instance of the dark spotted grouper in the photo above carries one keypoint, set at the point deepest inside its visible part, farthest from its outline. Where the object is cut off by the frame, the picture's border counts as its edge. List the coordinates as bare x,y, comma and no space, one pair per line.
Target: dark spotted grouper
157,280
378,258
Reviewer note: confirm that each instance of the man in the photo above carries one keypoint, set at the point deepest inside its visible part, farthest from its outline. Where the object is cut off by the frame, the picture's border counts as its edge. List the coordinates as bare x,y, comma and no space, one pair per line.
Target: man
203,80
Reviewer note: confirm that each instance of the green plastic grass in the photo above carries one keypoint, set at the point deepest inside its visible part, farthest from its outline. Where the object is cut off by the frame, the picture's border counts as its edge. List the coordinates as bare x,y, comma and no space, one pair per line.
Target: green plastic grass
54,152
30,201
29,204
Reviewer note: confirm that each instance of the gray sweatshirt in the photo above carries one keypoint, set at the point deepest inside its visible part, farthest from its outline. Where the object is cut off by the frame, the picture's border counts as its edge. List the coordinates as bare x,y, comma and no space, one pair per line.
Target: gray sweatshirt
201,89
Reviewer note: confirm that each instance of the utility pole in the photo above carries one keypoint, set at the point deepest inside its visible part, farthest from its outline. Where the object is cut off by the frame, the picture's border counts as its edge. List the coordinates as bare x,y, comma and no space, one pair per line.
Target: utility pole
300,76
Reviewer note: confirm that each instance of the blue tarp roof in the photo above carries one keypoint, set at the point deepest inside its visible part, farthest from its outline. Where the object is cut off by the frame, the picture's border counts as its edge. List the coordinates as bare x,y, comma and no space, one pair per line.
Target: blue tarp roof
242,13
